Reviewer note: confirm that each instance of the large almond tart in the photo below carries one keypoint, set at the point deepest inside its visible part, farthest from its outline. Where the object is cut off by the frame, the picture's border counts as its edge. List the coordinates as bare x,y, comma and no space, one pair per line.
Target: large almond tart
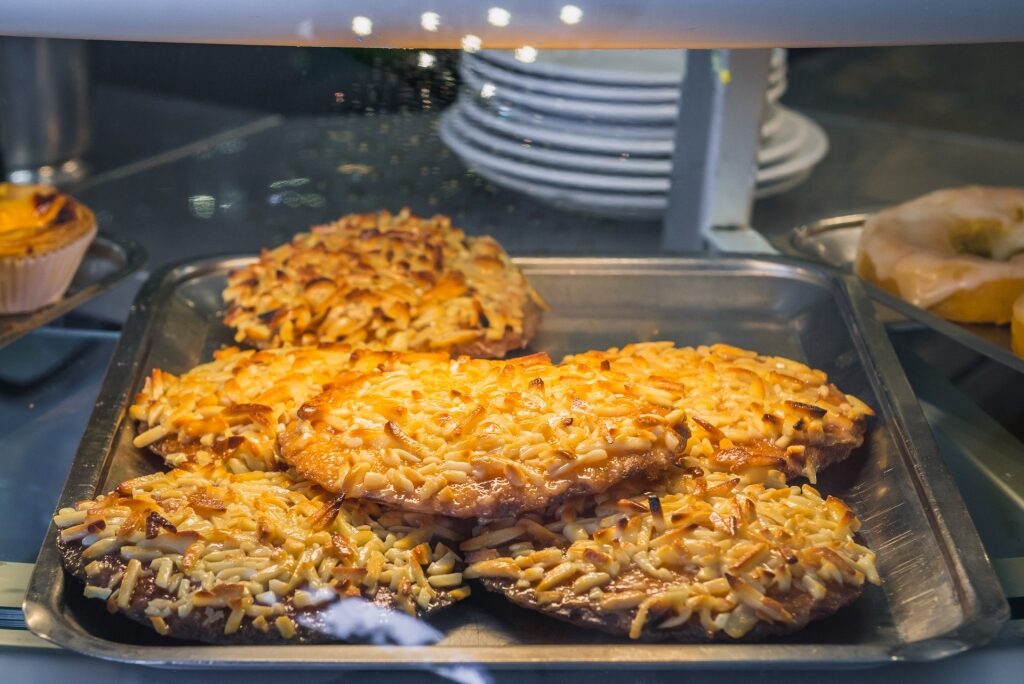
392,281
259,557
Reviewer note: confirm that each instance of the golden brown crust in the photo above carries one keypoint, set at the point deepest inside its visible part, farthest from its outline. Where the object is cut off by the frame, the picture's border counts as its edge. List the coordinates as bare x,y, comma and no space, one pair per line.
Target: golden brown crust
958,252
259,557
395,282
498,439
985,303
706,556
481,438
227,410
483,348
37,219
745,409
802,606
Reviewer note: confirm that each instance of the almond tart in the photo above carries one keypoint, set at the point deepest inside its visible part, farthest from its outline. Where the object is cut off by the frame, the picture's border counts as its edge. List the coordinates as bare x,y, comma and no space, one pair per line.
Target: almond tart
227,410
707,556
217,557
44,234
481,438
746,408
393,281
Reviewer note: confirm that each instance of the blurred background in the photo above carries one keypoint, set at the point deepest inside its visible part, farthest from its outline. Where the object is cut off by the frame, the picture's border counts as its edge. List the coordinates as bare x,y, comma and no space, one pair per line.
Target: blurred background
969,89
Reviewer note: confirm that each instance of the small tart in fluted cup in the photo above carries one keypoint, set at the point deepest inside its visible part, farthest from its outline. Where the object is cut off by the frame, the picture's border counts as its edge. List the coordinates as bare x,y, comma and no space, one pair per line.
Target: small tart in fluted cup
43,236
958,253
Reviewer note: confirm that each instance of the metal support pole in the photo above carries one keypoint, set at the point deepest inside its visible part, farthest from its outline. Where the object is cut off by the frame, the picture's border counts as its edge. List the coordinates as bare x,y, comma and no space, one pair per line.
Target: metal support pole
714,166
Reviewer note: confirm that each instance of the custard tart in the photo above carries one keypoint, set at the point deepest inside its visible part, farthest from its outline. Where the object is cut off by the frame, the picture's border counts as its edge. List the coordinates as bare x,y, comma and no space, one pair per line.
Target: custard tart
43,236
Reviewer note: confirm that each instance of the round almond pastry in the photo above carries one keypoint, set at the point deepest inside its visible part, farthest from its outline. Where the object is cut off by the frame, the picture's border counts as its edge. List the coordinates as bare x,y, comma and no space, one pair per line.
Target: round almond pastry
261,557
396,282
1017,327
43,237
480,438
745,409
958,253
707,556
227,410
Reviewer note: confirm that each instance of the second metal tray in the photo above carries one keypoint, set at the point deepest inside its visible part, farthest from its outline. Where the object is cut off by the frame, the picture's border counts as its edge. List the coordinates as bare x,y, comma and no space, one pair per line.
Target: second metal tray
106,262
939,594
834,241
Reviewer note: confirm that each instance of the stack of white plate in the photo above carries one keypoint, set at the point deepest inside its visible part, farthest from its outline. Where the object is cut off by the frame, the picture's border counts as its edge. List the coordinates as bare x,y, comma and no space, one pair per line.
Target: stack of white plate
593,130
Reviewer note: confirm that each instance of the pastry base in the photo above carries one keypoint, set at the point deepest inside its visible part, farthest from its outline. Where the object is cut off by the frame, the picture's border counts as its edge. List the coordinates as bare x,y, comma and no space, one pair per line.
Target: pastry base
991,302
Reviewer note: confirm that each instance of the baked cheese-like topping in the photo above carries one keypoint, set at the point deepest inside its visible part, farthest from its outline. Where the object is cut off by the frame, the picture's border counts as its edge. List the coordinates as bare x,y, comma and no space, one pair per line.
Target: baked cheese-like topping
255,549
705,555
35,219
227,410
743,410
746,409
397,282
473,437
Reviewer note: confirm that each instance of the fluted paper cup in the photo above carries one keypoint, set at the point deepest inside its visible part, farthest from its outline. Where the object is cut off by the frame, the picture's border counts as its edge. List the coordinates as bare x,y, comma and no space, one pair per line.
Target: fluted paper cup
30,283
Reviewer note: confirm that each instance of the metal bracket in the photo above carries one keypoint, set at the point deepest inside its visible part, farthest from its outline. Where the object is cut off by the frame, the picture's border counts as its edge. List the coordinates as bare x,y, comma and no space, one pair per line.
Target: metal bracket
714,165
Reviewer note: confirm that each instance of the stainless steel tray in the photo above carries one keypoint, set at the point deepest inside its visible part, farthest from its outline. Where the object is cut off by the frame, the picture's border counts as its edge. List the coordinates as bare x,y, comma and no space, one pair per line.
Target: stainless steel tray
833,241
939,594
106,262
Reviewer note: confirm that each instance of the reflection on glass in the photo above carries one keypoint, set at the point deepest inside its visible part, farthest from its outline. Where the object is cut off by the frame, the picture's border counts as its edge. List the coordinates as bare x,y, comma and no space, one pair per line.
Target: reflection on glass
202,206
471,43
570,14
426,60
430,21
289,183
526,54
498,16
362,26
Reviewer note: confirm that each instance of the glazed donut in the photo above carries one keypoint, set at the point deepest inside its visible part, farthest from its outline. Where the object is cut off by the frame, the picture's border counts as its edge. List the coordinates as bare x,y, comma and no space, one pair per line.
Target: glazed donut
1017,327
958,253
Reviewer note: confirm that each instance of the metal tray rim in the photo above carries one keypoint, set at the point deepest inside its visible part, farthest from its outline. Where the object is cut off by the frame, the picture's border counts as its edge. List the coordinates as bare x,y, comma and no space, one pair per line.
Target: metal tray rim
941,325
985,606
134,259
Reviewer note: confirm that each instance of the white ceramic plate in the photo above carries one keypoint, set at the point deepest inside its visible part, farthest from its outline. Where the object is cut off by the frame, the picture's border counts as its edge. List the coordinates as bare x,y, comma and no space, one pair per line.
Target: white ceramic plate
637,68
563,88
788,136
535,123
616,112
772,119
811,151
479,158
613,67
609,205
764,190
585,136
594,110
542,155
791,135
514,124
